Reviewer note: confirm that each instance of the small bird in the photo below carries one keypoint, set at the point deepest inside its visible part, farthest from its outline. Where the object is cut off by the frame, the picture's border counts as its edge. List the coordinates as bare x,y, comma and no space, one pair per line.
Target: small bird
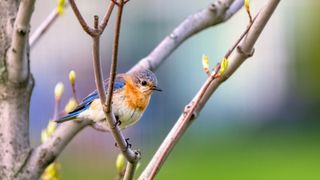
131,96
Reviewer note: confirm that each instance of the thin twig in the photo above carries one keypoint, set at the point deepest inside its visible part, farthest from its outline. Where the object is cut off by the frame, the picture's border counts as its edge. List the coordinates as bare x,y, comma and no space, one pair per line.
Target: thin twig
95,33
132,156
96,63
114,61
106,17
240,38
130,169
195,106
44,26
81,20
118,136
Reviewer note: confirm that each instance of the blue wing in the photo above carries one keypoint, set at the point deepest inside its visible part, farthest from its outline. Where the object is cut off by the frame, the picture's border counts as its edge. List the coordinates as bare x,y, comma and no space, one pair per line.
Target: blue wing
85,103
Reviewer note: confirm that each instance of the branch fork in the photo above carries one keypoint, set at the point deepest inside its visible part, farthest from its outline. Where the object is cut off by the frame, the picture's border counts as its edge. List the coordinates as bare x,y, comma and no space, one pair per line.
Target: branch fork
247,54
132,156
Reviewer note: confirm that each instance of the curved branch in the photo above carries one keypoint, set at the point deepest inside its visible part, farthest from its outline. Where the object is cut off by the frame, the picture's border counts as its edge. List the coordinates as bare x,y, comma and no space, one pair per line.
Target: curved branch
106,17
44,26
245,50
215,13
233,8
47,152
81,20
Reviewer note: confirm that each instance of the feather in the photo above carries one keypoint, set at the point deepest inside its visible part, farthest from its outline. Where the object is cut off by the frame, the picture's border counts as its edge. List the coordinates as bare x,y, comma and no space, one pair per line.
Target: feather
86,102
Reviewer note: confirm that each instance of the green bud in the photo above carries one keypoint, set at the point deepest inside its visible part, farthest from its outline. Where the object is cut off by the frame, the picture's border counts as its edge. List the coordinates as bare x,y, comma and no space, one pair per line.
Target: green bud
120,163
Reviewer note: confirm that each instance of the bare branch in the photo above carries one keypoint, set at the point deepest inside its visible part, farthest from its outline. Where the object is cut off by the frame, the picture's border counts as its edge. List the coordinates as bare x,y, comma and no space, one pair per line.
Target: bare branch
132,156
106,17
96,63
95,33
18,70
50,150
81,20
109,116
130,169
245,50
114,61
44,26
215,13
233,8
240,39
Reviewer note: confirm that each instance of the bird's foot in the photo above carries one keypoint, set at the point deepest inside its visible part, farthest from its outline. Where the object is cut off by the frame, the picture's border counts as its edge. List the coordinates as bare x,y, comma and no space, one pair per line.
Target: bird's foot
117,123
127,142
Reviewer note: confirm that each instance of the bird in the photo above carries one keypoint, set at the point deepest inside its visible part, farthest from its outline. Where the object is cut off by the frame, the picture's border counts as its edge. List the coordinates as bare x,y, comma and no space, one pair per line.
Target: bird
131,95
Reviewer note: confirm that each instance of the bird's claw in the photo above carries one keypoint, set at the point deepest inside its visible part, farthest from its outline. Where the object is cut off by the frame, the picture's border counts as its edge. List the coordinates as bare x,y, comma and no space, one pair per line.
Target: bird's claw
127,142
117,123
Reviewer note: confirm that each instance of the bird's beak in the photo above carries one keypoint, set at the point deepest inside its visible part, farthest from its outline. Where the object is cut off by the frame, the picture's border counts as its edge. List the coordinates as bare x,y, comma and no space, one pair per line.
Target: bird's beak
155,88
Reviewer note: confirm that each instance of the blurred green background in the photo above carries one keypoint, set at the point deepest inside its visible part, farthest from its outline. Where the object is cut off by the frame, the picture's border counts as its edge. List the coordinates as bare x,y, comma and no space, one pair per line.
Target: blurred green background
261,124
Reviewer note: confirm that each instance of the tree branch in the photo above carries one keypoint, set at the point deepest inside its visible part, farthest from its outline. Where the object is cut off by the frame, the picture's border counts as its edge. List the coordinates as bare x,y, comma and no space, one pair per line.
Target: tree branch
235,6
81,20
132,156
215,13
105,20
96,63
17,56
130,169
44,26
114,60
245,50
47,152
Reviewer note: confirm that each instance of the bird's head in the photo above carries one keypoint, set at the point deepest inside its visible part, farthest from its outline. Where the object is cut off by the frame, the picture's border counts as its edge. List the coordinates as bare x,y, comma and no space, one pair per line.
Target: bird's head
146,81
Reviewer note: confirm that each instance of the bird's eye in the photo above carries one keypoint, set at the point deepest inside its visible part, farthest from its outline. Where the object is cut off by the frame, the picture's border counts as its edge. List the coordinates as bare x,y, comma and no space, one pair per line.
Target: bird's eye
143,83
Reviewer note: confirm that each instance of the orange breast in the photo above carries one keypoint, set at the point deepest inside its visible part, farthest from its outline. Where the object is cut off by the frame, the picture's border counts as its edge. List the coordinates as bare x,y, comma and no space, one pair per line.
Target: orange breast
134,97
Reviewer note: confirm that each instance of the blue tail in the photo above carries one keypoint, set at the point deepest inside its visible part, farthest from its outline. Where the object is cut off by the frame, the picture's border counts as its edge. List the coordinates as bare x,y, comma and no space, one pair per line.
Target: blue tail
68,117
73,114
86,102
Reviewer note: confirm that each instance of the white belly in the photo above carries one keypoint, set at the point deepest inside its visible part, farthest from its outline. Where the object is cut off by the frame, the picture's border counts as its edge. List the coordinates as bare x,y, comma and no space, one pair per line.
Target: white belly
126,115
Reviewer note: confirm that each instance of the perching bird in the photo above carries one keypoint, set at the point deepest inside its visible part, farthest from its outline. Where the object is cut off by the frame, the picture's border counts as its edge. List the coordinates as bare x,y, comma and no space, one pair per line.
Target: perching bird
131,96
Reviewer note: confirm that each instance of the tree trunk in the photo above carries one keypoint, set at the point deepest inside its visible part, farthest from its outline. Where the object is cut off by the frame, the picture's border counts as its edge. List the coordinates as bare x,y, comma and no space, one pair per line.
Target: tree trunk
14,99
14,127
